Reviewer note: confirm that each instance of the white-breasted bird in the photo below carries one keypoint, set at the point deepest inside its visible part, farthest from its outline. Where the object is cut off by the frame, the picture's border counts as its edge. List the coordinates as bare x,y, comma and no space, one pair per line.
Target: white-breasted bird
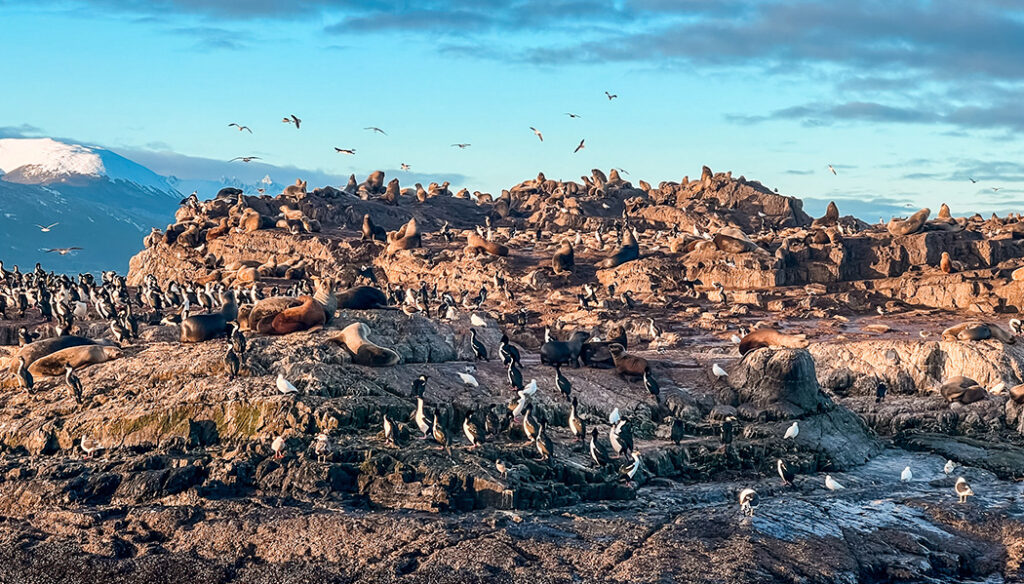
614,417
906,476
963,490
718,371
792,432
285,386
748,501
832,484
950,467
278,447
468,379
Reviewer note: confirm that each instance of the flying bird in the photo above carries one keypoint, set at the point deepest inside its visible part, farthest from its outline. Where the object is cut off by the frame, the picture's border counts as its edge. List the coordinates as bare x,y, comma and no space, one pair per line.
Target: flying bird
405,166
831,168
995,189
62,250
376,129
580,147
537,132
240,127
47,228
462,146
245,158
611,96
573,115
971,178
292,120
349,151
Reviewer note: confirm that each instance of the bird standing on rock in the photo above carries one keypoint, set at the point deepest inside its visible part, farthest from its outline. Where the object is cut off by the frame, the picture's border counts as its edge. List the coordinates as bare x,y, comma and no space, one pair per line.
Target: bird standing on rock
232,363
562,382
508,352
579,430
25,380
963,490
628,471
792,432
832,484
73,382
785,472
285,386
515,377
278,447
440,434
479,350
748,501
472,431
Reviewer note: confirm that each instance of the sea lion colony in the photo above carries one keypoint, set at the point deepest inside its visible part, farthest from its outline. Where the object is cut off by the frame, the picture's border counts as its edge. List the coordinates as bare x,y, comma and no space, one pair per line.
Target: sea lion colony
646,332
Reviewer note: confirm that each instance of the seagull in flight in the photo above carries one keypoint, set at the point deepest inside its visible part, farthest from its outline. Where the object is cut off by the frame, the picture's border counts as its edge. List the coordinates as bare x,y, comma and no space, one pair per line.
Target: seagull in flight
536,131
292,120
47,228
240,128
62,250
376,129
611,96
622,170
971,178
571,115
831,168
580,147
995,189
405,166
349,151
245,158
462,146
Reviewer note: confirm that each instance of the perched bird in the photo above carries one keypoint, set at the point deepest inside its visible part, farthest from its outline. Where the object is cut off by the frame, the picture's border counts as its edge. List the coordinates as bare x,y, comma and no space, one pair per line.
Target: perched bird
784,472
949,467
544,445
880,391
718,371
537,132
508,352
321,448
237,339
472,431
468,379
614,417
963,490
628,471
748,501
580,147
479,350
651,383
832,485
25,380
73,382
515,377
232,362
501,468
419,386
678,430
576,425
240,127
440,434
562,382
906,476
278,447
285,386
389,431
89,446
421,418
598,453
792,432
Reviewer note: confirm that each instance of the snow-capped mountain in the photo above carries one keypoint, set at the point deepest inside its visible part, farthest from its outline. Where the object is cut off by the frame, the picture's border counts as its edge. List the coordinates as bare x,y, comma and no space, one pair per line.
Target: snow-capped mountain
100,201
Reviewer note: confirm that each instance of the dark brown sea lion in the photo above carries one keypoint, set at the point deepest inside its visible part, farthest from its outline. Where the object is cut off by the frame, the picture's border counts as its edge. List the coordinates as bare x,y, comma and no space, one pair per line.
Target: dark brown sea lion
564,259
362,298
371,231
977,331
204,327
629,251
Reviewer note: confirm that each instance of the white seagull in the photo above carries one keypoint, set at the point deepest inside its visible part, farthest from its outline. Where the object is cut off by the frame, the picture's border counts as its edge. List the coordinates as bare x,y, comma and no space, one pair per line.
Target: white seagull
718,371
950,467
47,228
832,485
537,132
963,490
468,379
285,386
614,417
89,446
792,432
906,476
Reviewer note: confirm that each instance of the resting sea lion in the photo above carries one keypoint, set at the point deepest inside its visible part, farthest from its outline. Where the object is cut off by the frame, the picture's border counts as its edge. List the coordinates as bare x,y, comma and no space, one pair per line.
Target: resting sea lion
204,327
963,389
362,298
53,364
563,352
946,264
977,331
407,237
629,251
39,349
766,337
906,227
477,244
364,352
306,316
597,354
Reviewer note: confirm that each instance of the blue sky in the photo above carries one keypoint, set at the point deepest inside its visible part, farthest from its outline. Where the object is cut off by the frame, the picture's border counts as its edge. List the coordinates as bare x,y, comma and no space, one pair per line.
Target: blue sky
906,99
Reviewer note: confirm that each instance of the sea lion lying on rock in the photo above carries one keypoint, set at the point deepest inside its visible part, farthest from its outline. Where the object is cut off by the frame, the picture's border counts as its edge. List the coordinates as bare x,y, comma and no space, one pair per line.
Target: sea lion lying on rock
309,315
362,298
977,331
265,310
732,240
963,389
563,352
629,251
364,352
80,356
204,327
916,222
476,244
766,337
39,349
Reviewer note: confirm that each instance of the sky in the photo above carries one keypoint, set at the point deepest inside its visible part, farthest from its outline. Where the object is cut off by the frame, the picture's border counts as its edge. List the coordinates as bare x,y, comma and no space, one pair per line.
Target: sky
908,100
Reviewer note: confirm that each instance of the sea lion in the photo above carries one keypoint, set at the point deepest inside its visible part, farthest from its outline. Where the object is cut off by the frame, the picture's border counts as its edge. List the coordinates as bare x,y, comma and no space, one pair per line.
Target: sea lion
977,331
251,220
1017,393
564,259
596,354
391,194
204,327
628,252
53,364
563,352
407,237
297,190
362,298
354,337
476,244
324,294
267,309
626,365
909,226
732,240
39,349
307,315
962,389
946,264
831,216
218,231
373,232
767,337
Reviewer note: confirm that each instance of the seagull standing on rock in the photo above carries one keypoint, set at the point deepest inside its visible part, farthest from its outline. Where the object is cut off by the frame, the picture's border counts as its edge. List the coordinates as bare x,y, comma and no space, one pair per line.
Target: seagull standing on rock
285,386
792,432
906,476
718,371
832,485
748,501
950,467
963,490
